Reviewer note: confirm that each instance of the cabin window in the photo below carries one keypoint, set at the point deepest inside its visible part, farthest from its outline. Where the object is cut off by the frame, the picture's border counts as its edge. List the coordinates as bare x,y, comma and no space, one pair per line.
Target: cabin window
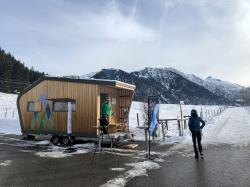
62,106
34,106
113,101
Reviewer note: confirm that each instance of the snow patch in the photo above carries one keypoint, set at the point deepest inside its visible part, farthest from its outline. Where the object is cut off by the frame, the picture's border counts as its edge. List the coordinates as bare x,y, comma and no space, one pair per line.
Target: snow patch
6,163
10,126
139,169
45,142
61,152
117,169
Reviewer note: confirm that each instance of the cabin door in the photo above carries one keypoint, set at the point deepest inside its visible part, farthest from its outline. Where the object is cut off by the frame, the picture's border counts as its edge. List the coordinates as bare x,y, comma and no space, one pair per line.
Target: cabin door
103,99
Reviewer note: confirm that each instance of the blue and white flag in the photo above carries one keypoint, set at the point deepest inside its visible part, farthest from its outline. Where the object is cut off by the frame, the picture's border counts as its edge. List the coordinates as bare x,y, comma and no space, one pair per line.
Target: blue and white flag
153,109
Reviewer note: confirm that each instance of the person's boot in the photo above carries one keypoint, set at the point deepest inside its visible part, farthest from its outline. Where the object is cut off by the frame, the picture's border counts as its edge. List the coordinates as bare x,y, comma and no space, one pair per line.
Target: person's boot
196,155
201,153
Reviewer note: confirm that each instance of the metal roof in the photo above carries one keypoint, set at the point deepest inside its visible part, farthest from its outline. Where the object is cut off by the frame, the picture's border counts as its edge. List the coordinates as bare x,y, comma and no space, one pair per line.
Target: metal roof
104,82
113,83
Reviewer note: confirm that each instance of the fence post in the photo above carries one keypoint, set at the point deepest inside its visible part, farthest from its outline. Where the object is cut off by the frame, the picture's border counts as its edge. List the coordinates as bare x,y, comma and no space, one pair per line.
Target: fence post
179,127
6,112
185,124
146,140
138,122
163,130
182,128
201,114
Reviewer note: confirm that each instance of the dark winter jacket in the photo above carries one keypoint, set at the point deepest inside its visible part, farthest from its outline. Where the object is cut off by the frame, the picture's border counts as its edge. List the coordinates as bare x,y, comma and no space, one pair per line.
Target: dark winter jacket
194,124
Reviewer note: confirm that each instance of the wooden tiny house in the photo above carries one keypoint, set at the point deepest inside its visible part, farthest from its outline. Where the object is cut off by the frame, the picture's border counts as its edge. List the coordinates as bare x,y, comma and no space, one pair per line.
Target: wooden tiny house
50,104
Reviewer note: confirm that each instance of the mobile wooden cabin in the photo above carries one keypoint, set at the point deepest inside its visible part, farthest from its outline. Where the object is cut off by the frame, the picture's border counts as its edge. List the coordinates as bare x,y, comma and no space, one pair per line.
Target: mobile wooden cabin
52,105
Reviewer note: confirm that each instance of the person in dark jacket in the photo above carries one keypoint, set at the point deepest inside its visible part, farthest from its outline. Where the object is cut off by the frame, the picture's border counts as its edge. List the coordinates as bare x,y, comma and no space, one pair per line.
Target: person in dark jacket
195,128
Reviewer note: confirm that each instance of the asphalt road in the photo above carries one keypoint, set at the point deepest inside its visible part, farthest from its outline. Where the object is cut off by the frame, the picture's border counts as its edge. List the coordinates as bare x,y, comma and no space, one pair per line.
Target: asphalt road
223,165
28,169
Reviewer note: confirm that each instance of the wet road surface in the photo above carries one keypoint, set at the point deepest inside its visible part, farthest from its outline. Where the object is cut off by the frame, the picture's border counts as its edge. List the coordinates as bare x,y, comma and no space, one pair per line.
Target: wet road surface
226,161
222,165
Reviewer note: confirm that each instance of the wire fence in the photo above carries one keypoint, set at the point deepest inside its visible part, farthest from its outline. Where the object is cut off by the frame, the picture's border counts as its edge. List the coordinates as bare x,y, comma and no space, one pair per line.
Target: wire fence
8,112
182,123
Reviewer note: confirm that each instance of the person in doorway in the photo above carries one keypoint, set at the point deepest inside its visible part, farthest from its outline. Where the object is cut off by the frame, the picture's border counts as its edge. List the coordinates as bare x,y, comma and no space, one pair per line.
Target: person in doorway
105,113
196,128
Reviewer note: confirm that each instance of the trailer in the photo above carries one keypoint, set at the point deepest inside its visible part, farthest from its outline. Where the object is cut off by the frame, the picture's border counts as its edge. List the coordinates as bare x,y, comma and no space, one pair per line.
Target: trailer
66,108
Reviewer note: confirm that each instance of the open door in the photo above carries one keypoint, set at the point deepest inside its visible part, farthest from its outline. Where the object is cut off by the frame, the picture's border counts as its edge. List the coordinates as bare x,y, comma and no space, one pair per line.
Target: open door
103,99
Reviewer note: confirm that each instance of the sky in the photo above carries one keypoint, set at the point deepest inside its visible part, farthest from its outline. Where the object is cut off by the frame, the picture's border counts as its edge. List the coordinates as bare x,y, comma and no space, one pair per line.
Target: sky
73,37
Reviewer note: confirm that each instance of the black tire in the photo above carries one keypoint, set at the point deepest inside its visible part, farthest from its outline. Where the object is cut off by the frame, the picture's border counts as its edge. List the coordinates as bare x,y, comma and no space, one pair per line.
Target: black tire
54,140
29,137
66,141
73,140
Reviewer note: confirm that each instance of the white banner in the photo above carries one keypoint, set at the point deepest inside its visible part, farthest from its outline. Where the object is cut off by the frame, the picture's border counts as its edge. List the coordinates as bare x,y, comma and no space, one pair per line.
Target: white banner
69,125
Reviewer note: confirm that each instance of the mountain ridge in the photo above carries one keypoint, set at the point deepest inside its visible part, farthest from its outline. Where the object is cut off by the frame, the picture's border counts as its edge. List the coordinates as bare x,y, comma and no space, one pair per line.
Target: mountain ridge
170,84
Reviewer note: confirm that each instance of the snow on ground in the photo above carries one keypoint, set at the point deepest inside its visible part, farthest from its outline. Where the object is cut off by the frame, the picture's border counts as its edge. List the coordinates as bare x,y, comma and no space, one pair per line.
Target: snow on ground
10,126
5,163
138,169
62,152
117,169
232,127
168,111
9,121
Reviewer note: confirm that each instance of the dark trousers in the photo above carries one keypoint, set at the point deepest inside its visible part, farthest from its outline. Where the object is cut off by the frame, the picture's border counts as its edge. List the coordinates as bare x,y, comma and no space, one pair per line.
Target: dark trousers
104,122
196,136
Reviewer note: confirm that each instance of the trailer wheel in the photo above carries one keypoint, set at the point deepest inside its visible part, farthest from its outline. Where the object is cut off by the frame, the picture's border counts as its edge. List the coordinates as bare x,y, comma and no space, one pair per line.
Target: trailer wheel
54,139
73,140
66,141
29,137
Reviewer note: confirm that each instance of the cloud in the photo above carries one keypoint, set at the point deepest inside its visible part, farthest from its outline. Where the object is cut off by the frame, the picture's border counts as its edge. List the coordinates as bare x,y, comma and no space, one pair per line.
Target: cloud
204,37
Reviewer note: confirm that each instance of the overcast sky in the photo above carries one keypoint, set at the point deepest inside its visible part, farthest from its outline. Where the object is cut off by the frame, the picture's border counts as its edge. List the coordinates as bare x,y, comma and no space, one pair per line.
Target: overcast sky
64,37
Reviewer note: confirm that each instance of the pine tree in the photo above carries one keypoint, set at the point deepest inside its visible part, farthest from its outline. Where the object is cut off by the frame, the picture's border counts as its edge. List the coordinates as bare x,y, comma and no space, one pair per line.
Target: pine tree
14,75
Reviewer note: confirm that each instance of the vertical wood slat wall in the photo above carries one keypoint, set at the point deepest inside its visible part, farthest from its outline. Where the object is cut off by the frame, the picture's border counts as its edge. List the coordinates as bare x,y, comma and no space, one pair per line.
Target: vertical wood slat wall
86,109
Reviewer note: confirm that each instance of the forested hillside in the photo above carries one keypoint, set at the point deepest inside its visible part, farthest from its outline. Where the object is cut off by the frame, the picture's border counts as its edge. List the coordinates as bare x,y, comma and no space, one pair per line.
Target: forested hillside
14,75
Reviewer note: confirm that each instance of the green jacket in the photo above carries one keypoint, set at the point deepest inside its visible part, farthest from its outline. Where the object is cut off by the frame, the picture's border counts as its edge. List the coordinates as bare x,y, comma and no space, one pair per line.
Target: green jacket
106,109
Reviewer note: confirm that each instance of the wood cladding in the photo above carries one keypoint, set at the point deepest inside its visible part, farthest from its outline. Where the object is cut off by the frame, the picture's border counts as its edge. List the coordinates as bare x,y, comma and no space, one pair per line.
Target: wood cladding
87,103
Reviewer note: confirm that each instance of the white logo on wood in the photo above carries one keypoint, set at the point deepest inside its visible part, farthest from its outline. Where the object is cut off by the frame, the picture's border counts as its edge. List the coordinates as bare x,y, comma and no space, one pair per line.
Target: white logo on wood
69,126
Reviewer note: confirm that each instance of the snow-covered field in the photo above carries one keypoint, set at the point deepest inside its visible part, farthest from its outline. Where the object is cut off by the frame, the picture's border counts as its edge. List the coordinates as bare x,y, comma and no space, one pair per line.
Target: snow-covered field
9,121
170,111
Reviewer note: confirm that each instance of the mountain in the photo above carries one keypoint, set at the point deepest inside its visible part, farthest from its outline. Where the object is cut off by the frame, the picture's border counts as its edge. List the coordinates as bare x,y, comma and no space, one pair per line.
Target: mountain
245,93
14,75
170,84
219,87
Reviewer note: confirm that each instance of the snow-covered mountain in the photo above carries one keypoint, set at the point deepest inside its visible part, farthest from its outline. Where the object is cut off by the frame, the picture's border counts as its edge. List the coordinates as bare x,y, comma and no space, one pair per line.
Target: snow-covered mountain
170,84
219,87
216,86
